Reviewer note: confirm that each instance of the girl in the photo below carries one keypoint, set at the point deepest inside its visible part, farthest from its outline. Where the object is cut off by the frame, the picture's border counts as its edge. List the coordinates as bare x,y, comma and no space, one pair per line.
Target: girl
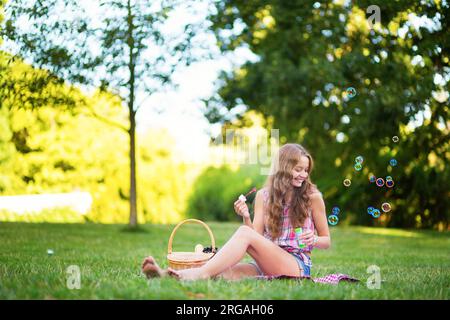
288,200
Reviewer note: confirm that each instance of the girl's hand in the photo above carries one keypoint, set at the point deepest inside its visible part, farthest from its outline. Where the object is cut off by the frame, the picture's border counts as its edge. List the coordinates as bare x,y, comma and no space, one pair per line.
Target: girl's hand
240,207
307,237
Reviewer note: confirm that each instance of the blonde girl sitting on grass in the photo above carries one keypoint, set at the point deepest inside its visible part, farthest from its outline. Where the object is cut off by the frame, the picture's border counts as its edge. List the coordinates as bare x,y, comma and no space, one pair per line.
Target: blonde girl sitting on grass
288,200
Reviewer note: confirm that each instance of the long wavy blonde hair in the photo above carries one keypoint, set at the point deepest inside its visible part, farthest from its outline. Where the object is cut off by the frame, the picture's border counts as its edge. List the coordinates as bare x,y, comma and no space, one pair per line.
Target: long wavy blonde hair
279,183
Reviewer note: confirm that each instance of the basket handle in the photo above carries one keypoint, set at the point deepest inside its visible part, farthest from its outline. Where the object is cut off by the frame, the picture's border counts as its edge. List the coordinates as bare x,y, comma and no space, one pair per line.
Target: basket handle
213,243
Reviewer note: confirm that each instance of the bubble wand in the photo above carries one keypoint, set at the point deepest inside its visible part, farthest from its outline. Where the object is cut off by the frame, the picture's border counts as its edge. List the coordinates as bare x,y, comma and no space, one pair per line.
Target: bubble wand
244,198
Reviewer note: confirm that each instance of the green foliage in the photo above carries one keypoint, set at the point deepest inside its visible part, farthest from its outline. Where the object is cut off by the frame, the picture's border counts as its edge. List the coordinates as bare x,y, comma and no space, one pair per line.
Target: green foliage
165,183
216,189
6,147
308,54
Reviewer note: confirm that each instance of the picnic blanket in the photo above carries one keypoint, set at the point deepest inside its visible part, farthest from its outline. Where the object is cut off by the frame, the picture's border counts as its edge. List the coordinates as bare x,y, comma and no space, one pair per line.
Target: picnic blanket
329,279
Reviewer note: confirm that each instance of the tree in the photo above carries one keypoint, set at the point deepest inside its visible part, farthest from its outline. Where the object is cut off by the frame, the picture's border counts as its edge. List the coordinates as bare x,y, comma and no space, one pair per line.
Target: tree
309,53
49,149
123,47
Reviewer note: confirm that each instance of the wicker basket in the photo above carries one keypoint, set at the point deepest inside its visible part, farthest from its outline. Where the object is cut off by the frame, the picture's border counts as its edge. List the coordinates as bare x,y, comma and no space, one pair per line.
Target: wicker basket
187,260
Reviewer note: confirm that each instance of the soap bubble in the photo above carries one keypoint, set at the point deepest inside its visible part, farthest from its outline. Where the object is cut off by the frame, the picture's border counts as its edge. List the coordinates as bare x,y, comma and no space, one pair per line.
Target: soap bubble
376,213
335,210
358,166
359,159
347,182
351,92
389,183
395,139
393,162
50,252
333,219
372,178
380,182
389,178
370,210
386,207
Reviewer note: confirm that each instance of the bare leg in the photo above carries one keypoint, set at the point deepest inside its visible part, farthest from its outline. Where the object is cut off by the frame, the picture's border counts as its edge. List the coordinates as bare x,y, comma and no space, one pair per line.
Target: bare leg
239,271
271,258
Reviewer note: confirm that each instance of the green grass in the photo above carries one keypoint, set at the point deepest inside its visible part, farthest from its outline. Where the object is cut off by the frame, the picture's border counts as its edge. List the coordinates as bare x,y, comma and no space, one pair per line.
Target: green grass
413,264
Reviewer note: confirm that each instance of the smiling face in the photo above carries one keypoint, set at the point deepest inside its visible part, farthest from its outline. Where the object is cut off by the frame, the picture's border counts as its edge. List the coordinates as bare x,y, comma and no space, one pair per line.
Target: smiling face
300,172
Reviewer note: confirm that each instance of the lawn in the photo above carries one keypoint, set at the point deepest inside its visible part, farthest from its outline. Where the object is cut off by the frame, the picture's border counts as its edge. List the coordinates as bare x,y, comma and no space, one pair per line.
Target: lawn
413,264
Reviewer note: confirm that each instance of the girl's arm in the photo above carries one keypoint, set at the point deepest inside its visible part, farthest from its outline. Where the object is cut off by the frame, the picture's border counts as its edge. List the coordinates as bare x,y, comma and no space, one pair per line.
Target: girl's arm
258,219
247,221
323,240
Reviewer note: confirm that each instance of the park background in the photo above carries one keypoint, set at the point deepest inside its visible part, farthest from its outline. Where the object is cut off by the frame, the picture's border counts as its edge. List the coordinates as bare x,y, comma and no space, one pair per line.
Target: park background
132,102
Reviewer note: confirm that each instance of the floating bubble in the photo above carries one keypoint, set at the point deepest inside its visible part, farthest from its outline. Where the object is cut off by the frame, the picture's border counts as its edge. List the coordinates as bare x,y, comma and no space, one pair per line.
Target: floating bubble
358,166
393,162
351,92
380,182
333,219
335,210
376,213
50,252
359,159
390,183
386,207
372,178
388,178
347,182
370,210
395,139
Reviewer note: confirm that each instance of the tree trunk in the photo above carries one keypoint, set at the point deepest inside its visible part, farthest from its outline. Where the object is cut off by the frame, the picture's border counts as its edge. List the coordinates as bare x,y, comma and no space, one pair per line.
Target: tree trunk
132,112
133,191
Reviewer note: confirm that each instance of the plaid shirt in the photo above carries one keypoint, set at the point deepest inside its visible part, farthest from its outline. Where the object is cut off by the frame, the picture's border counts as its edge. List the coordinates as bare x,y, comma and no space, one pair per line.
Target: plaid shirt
288,240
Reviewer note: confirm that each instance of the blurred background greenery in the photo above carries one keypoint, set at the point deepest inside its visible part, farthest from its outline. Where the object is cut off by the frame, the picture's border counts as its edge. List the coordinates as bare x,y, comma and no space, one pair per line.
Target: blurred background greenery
55,137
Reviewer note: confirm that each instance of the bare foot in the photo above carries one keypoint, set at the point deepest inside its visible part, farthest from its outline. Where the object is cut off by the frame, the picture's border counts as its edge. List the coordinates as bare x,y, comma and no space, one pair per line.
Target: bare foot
188,274
151,269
